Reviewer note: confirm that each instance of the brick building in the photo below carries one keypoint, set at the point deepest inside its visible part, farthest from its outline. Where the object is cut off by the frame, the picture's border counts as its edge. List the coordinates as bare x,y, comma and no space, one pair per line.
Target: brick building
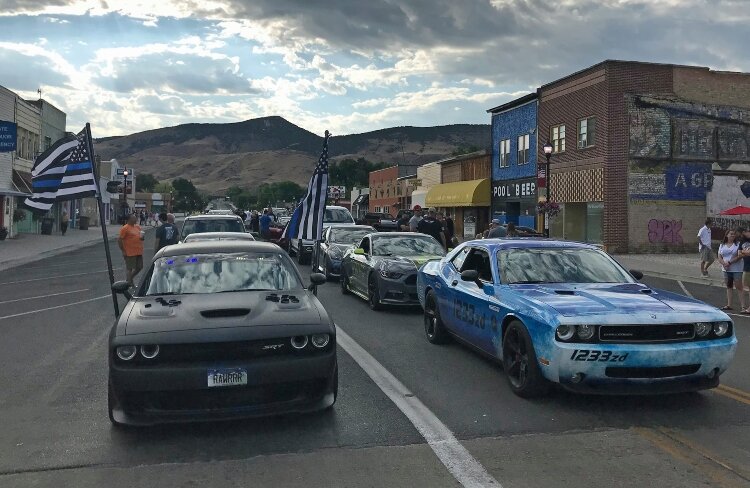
514,182
383,193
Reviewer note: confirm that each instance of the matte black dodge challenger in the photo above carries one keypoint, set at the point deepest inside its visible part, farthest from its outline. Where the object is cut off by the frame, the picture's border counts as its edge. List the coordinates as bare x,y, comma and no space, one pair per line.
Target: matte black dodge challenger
219,330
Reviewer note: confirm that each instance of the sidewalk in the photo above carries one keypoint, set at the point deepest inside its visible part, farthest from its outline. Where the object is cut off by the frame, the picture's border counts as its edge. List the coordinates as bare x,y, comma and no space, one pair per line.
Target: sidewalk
27,248
682,267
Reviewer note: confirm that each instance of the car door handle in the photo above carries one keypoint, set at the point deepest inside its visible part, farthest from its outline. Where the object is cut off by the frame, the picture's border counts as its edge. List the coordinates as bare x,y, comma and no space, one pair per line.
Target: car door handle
454,283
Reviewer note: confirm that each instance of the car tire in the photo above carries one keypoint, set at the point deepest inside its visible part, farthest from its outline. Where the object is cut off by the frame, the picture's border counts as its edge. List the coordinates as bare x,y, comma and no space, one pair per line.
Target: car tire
433,325
111,407
373,293
344,281
520,363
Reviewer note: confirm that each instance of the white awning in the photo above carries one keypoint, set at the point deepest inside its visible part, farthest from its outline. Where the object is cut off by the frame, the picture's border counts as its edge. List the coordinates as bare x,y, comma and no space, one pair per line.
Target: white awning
418,197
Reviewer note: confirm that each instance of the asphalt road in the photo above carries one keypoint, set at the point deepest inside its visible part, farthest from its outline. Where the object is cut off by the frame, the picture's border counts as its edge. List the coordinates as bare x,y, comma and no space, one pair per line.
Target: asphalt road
55,431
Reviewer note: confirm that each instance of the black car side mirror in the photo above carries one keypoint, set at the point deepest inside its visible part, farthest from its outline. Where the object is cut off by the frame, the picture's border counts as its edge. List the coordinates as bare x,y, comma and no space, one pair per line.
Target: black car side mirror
315,280
123,288
471,275
636,274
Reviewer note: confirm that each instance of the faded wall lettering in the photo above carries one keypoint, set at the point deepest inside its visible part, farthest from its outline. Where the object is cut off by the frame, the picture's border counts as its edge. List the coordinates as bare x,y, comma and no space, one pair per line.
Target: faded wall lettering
665,231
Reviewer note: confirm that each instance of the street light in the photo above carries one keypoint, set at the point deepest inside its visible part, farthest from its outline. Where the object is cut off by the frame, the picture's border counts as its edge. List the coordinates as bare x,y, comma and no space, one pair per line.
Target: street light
547,153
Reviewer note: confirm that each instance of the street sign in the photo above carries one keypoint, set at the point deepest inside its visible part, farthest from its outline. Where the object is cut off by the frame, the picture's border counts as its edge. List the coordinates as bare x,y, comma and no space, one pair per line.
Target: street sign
541,176
8,136
415,182
121,172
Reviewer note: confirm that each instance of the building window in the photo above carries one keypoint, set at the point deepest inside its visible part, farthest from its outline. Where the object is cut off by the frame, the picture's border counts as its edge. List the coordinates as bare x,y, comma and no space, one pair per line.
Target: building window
47,142
586,132
557,136
505,153
523,149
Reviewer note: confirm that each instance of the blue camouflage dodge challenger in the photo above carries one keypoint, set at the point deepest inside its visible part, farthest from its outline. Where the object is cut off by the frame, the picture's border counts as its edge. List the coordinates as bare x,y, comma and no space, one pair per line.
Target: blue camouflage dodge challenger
567,313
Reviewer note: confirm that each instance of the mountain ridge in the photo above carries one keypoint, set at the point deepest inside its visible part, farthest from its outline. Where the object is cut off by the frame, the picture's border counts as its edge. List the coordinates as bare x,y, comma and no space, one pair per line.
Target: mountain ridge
216,156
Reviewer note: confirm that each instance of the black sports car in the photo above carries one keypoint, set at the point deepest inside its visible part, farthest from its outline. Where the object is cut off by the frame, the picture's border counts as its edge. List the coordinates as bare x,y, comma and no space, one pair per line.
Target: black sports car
220,329
329,252
382,269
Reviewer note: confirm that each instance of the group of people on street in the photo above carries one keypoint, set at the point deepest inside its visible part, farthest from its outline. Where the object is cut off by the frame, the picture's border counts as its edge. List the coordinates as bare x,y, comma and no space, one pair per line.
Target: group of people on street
734,259
260,223
497,231
431,222
130,241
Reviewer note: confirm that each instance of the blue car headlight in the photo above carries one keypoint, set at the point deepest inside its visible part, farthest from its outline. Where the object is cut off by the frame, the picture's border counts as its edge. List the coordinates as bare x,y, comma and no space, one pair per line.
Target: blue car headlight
391,275
565,332
721,328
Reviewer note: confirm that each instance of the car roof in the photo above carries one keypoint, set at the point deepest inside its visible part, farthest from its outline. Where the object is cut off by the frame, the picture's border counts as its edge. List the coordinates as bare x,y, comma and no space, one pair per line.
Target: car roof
213,217
210,247
221,235
530,243
337,207
399,234
353,227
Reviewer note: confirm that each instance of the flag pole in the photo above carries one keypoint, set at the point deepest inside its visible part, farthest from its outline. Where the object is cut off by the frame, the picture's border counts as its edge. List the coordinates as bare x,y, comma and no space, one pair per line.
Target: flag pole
102,220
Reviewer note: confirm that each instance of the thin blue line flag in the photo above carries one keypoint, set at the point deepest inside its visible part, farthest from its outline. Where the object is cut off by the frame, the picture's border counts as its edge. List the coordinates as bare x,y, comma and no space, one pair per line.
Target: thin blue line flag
307,220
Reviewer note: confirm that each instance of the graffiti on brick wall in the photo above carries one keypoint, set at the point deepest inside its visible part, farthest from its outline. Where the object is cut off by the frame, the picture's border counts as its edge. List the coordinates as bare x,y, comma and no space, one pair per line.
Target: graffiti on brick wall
650,133
670,181
667,231
733,142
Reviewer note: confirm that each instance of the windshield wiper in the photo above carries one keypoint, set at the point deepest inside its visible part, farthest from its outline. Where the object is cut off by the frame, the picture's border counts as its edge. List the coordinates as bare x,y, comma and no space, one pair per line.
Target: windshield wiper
532,282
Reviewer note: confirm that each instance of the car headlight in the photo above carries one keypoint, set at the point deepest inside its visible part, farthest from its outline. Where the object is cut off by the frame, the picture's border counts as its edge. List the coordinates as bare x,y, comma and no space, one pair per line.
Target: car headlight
565,332
702,329
721,328
126,353
586,331
391,275
320,340
150,351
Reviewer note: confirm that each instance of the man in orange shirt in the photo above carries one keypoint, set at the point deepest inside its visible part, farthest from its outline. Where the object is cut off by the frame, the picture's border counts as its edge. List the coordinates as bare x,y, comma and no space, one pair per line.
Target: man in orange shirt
131,245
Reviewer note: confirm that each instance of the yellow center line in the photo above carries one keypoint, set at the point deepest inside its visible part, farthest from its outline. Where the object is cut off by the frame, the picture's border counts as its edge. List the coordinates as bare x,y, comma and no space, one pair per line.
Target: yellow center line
736,391
719,391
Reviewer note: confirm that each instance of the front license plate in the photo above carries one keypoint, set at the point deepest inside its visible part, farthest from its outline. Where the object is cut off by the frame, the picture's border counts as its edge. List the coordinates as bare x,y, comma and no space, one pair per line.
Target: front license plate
227,377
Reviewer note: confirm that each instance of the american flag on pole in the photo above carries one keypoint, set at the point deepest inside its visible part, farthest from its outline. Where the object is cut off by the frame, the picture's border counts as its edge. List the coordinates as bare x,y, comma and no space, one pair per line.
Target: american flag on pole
307,220
62,172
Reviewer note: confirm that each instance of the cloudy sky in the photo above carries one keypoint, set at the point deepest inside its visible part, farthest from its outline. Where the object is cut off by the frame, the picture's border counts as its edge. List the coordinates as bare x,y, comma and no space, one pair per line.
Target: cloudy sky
344,65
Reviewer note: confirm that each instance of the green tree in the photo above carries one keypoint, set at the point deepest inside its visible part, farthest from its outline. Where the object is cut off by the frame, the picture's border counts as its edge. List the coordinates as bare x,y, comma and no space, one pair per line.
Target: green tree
186,196
163,188
462,149
145,182
350,173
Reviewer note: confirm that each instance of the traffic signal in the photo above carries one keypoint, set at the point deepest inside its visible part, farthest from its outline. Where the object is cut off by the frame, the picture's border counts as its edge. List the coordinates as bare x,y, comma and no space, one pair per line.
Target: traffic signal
112,186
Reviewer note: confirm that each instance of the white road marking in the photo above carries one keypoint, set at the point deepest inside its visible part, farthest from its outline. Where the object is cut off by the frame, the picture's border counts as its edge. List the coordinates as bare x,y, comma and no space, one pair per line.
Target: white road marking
55,277
459,462
684,290
45,296
53,308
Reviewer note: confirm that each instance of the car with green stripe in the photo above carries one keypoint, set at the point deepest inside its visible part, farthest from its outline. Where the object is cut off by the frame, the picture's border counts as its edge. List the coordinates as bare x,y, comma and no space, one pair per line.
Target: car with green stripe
382,268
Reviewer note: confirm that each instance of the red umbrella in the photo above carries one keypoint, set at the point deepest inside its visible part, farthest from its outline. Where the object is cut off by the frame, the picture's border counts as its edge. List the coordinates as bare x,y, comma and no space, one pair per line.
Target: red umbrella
738,210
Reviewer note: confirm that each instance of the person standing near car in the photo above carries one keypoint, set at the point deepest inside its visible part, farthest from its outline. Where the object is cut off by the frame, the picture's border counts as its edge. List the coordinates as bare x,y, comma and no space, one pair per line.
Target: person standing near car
265,225
431,226
704,247
510,230
130,242
414,220
731,261
496,230
167,233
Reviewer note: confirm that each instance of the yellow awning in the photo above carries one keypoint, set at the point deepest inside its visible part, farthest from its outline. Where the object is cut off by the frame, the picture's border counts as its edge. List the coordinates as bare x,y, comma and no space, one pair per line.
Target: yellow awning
474,193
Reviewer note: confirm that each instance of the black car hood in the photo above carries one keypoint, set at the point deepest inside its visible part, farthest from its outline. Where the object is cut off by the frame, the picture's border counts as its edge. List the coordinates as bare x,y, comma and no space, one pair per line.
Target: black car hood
220,310
404,262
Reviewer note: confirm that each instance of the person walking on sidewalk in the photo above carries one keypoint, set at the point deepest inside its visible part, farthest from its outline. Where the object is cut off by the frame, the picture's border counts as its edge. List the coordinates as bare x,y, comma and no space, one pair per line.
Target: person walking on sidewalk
745,254
130,241
731,260
64,220
704,247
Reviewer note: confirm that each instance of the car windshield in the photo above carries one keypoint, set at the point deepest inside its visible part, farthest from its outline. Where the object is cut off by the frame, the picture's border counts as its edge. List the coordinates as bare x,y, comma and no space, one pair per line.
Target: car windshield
216,273
348,236
199,226
555,265
225,237
337,215
416,245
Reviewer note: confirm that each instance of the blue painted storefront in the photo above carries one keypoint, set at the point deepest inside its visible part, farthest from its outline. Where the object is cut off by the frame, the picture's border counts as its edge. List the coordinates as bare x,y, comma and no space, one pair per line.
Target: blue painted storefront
510,121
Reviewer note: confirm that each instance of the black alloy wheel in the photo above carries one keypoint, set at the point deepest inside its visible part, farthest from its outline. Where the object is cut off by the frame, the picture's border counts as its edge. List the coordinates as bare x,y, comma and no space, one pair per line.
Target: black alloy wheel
433,324
520,363
373,292
344,281
302,256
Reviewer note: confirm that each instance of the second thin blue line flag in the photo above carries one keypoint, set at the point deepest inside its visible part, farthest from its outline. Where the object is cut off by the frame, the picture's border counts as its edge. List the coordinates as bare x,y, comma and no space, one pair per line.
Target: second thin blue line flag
63,172
307,220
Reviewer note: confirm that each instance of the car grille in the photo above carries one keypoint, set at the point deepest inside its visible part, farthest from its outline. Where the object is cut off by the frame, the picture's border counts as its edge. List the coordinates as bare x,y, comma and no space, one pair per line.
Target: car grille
646,333
227,351
411,280
663,372
230,397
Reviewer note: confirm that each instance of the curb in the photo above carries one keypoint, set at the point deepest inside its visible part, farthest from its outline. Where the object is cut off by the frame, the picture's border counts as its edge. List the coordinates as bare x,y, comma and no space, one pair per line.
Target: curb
686,279
13,263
